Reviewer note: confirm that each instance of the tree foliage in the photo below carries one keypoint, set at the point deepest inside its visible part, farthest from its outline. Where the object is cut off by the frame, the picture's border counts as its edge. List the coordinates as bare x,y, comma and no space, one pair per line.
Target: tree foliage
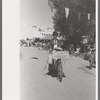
73,28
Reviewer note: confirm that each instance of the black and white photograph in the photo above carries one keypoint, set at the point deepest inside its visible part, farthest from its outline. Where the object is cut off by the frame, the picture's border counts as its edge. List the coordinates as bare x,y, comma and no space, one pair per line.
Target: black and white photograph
57,49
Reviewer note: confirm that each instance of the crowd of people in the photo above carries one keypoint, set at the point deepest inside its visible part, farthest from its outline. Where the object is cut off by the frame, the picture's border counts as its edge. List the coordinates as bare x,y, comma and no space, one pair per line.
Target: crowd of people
89,53
57,41
39,44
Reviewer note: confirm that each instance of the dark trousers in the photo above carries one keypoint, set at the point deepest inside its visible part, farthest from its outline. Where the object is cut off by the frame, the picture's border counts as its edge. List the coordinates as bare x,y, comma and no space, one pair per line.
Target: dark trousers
50,68
54,68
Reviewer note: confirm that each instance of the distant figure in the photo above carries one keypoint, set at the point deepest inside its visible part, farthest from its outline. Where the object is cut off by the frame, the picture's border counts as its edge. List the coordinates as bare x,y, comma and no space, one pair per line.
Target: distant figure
71,50
77,53
91,58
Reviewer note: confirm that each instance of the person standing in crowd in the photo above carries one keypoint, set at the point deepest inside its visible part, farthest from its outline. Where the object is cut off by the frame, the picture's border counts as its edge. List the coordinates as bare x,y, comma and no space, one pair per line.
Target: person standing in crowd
71,49
77,53
91,58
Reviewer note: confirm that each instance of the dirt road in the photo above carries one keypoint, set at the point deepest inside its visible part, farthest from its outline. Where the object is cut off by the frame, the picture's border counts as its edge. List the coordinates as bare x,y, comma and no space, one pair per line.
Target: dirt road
79,83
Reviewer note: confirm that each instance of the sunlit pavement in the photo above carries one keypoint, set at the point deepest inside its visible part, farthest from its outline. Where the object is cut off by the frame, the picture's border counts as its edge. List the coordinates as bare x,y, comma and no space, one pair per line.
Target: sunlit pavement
79,83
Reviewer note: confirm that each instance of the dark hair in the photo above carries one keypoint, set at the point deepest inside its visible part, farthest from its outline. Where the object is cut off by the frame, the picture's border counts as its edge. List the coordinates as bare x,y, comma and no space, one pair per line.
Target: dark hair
50,51
58,60
55,34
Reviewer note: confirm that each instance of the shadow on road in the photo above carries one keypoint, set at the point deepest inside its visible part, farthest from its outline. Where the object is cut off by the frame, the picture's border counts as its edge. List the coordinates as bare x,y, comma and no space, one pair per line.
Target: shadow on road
89,67
86,70
52,75
34,58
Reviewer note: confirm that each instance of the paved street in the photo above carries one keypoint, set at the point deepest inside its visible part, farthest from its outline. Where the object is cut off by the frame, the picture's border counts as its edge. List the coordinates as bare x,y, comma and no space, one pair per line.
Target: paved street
79,83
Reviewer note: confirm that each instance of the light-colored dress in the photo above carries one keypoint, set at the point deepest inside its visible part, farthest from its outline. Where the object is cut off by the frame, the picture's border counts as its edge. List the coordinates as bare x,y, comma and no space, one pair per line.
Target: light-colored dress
50,57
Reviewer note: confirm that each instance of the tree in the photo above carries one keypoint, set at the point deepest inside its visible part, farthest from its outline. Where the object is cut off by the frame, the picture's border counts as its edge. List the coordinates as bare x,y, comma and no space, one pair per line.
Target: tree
59,18
72,27
92,32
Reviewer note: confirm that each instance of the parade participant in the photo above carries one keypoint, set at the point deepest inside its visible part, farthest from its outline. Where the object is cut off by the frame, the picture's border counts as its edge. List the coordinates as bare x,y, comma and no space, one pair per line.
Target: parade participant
53,44
56,44
54,41
77,51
